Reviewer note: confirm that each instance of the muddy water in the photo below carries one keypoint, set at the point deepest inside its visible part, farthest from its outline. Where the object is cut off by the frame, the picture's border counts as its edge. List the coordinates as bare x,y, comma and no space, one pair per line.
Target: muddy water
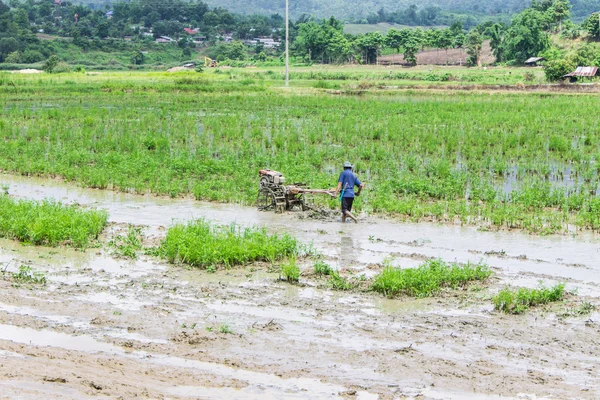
108,327
523,258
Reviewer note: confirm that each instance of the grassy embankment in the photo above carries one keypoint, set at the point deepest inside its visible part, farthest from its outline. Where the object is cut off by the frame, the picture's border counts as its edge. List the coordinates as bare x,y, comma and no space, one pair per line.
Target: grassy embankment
49,223
516,160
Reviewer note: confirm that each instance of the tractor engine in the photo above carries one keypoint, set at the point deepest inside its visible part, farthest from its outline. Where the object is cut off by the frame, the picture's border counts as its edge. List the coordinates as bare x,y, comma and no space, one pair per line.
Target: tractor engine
270,179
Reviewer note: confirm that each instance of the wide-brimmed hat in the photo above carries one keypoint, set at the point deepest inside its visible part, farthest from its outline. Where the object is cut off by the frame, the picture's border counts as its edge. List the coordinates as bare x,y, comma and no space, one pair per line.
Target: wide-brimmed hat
347,164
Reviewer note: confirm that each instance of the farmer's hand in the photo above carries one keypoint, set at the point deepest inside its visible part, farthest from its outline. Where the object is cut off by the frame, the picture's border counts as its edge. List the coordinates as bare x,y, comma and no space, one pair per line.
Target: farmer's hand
357,194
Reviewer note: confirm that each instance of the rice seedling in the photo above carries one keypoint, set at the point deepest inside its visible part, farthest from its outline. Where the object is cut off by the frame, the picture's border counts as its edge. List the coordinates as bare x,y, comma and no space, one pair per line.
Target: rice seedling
428,279
202,244
290,271
517,301
224,328
49,222
516,160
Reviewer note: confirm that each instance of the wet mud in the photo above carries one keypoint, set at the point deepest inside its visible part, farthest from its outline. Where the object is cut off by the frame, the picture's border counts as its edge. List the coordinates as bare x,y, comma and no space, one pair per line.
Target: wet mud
110,327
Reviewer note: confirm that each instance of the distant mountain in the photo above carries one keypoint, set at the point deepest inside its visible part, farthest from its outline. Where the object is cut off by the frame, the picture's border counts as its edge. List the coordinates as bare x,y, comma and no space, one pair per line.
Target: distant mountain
362,8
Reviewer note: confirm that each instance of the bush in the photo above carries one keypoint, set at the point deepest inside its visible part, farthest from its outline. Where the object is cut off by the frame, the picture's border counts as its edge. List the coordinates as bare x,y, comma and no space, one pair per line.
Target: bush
555,70
50,64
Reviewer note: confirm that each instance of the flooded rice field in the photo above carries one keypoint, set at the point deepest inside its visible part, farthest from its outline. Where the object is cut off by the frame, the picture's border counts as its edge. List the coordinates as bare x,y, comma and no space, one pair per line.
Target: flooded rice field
109,327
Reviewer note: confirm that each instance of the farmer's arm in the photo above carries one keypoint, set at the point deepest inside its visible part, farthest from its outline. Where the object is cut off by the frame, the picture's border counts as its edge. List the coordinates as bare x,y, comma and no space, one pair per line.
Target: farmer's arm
339,187
360,185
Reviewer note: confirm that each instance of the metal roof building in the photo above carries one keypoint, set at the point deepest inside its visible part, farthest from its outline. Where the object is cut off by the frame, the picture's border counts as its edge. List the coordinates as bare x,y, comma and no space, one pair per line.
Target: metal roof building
533,61
587,72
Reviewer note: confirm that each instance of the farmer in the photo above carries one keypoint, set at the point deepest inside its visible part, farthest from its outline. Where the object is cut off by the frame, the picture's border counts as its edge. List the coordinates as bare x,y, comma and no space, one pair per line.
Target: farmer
345,186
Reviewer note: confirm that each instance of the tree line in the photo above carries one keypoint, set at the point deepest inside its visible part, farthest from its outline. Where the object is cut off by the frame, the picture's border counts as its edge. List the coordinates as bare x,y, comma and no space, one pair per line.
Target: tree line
313,40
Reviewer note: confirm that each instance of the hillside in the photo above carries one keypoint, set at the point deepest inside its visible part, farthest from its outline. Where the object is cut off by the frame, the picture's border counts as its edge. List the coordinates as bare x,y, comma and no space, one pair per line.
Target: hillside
357,10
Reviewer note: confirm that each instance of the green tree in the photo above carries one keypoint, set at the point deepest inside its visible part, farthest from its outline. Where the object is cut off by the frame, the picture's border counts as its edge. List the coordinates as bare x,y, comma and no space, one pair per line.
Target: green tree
473,45
50,64
526,36
445,41
555,70
560,11
592,25
411,48
369,46
496,34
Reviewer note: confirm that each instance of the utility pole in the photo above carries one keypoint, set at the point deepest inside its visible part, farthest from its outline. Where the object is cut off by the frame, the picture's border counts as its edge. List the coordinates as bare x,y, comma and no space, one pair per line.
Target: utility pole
287,44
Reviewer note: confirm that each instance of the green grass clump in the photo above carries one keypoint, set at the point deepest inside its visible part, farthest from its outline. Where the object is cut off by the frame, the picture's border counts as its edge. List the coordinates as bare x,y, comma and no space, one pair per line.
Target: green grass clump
202,244
322,268
49,222
428,279
519,300
290,271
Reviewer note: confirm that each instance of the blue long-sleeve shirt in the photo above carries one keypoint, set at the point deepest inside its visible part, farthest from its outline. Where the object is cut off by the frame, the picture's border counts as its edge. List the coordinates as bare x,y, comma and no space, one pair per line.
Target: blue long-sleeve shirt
348,180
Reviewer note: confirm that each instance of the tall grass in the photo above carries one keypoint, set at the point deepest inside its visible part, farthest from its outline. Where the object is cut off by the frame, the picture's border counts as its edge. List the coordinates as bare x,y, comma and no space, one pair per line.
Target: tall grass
49,222
428,279
202,244
517,301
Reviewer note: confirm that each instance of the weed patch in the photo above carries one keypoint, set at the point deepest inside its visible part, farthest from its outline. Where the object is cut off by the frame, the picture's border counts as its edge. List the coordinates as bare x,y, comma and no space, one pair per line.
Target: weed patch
428,279
27,275
202,244
49,222
517,301
127,245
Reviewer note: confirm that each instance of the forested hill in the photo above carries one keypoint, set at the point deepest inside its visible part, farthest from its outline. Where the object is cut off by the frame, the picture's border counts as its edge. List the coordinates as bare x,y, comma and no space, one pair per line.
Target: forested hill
406,12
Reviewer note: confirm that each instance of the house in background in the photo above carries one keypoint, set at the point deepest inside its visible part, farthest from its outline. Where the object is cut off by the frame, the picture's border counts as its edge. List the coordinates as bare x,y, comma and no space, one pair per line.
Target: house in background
164,39
582,72
534,61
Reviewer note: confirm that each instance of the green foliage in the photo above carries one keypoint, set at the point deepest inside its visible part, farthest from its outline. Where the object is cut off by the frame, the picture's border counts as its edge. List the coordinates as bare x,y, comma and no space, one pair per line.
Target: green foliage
27,275
51,64
338,282
290,271
592,25
526,36
518,301
321,268
473,44
555,70
49,222
428,279
202,244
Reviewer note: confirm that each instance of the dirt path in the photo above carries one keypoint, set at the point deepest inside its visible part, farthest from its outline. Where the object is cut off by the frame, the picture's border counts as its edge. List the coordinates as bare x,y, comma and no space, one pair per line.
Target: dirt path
105,327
